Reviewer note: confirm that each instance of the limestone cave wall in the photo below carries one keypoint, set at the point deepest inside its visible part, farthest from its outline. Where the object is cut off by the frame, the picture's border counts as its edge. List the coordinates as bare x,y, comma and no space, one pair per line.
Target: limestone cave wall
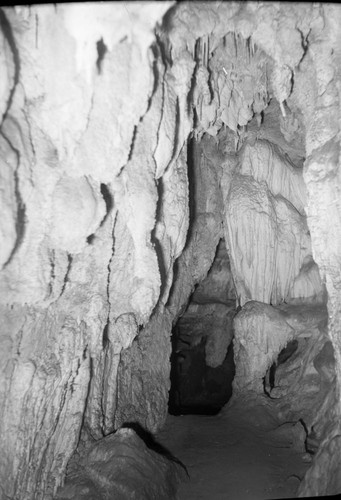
110,215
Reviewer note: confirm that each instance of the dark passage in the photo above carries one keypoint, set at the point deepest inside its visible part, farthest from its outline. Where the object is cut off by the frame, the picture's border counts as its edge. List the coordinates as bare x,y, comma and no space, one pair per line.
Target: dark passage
202,363
197,388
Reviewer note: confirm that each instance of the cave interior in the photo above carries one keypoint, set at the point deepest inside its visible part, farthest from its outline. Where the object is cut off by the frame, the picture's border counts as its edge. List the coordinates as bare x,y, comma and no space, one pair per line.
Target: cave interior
171,219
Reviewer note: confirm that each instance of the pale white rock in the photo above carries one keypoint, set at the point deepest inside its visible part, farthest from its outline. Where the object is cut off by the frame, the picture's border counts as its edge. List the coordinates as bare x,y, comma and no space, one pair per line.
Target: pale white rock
121,334
79,122
50,97
265,162
112,22
7,74
33,197
135,195
166,132
46,395
49,94
308,282
322,128
102,400
260,332
49,350
282,41
182,71
112,117
77,210
324,216
138,207
292,246
173,218
281,83
8,208
122,269
266,232
202,97
250,230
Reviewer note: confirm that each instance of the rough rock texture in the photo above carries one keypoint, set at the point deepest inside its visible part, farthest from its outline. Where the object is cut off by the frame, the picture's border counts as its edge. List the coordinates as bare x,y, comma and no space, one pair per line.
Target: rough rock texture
121,466
266,228
97,203
261,331
218,286
300,385
211,321
202,358
80,272
210,312
198,388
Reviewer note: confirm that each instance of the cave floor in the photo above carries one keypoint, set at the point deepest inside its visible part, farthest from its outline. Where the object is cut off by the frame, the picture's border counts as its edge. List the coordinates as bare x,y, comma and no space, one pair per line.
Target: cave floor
238,454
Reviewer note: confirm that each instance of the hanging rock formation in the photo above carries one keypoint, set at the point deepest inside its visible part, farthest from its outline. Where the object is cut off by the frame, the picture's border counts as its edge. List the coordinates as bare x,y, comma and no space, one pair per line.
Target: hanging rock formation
111,216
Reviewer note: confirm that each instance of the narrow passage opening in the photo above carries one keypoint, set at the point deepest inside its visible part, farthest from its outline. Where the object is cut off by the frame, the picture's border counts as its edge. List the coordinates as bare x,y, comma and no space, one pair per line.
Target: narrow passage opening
202,361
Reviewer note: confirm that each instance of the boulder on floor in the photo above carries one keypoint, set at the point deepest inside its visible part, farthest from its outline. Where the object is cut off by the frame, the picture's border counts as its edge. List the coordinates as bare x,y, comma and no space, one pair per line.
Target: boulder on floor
121,466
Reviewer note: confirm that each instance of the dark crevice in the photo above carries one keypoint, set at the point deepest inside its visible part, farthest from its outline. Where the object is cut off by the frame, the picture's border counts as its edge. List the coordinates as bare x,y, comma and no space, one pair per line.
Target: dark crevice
105,336
109,204
109,201
192,149
156,52
177,129
162,35
90,239
102,49
152,444
52,271
155,241
66,278
85,429
132,143
310,442
8,33
20,223
190,103
302,422
196,388
269,380
305,44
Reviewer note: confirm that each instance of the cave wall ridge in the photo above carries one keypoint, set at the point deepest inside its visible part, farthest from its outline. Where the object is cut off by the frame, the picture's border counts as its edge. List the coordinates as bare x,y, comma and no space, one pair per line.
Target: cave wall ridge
81,269
93,140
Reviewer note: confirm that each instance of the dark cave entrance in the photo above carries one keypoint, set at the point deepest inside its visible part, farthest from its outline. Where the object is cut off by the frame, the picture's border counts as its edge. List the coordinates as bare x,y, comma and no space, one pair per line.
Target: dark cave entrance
196,388
202,361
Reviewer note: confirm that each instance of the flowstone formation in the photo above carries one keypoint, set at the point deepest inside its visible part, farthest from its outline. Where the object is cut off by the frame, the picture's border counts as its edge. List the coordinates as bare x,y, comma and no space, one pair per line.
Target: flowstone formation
133,138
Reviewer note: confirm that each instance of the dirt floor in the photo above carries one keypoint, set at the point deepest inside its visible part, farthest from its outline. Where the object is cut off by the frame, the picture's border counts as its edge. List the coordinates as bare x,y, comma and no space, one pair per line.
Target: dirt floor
241,454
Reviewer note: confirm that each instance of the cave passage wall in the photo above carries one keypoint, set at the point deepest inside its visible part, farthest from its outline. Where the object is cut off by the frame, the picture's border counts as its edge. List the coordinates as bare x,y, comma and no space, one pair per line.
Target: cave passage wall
102,245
